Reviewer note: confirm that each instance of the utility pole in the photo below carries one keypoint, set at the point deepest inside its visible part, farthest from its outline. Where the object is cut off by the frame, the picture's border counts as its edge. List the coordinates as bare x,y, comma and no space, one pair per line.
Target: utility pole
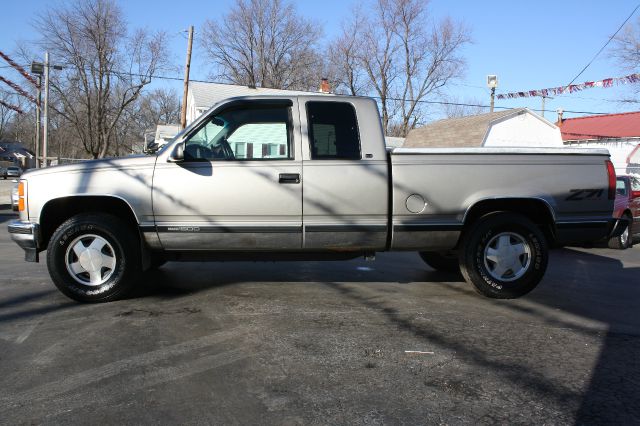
183,116
37,68
38,121
544,98
45,129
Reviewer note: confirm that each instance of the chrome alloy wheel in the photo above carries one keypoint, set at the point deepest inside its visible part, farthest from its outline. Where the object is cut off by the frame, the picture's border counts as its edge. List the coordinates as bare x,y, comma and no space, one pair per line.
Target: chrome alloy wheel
624,238
90,260
507,257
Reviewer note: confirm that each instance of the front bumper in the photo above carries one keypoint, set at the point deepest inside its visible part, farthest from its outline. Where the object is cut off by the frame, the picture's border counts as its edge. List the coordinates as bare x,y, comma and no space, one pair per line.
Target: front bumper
27,236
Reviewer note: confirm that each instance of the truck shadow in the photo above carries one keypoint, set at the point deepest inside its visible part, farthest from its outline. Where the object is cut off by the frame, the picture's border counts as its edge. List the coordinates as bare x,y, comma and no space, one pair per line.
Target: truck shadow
582,284
170,281
579,283
593,287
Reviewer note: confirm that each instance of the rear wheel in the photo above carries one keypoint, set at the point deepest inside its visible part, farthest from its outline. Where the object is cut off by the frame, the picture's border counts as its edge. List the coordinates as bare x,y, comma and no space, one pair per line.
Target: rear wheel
504,256
441,261
93,258
624,240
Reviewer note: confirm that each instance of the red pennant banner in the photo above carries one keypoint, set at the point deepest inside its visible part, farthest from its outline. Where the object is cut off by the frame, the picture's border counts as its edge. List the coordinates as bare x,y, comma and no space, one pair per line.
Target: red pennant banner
18,89
15,108
19,69
607,82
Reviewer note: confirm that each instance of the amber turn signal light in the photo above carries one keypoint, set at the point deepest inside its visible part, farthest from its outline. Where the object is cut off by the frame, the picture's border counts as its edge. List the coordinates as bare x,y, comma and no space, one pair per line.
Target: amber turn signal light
21,196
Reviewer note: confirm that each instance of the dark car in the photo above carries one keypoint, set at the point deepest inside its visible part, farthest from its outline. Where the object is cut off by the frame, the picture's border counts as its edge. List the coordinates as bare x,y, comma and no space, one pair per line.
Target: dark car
627,205
13,171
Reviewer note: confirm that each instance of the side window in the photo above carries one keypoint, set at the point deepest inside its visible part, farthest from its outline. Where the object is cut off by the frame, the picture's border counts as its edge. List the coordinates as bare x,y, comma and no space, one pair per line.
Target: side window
333,131
243,134
621,187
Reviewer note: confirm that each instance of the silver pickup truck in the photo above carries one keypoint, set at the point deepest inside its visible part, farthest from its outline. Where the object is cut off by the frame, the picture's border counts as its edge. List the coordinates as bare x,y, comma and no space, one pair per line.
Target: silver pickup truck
308,178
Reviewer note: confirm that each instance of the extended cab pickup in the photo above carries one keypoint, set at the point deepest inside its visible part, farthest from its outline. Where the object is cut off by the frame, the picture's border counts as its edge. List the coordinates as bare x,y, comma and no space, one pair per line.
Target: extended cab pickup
309,177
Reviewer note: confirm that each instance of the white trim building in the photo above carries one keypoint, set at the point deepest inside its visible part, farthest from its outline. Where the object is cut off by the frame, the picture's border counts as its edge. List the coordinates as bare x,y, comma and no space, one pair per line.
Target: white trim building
510,128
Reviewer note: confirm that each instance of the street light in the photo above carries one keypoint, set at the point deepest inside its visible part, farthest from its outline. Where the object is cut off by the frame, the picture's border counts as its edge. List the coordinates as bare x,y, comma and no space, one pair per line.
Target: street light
492,83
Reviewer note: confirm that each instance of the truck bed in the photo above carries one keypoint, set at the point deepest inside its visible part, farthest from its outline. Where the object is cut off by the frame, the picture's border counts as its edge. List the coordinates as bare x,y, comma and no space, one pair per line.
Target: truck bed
434,190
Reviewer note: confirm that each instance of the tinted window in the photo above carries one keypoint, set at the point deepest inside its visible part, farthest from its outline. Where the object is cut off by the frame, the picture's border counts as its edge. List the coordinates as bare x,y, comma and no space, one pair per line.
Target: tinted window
621,187
242,134
333,131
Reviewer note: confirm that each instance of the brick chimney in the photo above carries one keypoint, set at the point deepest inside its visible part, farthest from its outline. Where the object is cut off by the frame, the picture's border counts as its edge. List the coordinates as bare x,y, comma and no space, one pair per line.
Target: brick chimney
560,111
325,87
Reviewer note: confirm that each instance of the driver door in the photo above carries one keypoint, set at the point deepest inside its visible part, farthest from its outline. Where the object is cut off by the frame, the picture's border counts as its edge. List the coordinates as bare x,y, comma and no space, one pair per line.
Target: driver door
239,186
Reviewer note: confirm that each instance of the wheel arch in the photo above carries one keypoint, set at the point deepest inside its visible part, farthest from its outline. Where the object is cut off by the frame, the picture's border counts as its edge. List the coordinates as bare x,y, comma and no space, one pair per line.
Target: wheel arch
57,210
537,210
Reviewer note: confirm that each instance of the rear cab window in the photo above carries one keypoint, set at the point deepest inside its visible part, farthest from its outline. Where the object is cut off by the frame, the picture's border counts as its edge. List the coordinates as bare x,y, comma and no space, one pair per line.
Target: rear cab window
333,131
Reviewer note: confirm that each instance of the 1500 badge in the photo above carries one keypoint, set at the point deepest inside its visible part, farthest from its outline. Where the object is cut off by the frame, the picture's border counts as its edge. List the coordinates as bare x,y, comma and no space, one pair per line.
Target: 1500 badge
183,229
584,194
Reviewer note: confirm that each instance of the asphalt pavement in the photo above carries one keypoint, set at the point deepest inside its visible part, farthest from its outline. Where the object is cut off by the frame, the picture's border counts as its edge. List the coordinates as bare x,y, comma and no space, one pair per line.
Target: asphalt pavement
383,342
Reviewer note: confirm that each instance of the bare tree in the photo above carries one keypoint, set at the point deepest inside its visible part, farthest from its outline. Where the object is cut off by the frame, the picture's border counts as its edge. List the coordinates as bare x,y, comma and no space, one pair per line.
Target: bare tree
105,67
344,66
6,114
406,59
455,108
263,43
627,47
160,106
626,51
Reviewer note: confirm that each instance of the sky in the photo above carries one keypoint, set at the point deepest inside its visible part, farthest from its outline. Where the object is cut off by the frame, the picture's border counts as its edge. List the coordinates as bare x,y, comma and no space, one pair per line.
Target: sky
528,45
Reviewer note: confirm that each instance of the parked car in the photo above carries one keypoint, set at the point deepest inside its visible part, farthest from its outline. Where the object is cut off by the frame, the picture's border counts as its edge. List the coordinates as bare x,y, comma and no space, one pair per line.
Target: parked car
310,178
15,197
627,206
13,171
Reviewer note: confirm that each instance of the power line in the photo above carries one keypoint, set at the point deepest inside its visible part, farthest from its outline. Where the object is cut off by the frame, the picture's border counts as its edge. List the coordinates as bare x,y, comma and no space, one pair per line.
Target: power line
605,45
485,106
171,78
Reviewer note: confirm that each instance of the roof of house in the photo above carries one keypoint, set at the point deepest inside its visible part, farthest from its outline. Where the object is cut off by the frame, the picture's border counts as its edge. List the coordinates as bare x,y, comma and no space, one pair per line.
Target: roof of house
457,132
610,126
206,95
9,148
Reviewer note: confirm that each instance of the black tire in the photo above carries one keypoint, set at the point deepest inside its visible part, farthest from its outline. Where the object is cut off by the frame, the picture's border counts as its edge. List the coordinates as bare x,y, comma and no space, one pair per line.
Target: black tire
513,274
156,261
624,240
115,255
441,261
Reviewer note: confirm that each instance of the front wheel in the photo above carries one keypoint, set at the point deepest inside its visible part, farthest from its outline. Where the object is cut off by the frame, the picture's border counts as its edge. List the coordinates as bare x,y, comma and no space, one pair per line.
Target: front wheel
504,256
93,258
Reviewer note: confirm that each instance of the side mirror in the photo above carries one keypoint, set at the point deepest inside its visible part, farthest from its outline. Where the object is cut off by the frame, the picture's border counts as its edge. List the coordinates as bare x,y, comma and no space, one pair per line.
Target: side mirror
635,194
178,154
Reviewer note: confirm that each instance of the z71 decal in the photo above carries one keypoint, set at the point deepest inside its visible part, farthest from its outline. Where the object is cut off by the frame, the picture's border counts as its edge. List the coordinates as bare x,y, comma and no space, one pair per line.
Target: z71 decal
584,194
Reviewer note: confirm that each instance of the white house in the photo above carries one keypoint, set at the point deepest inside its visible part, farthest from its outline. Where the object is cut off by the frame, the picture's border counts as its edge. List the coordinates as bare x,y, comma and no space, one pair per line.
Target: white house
510,128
